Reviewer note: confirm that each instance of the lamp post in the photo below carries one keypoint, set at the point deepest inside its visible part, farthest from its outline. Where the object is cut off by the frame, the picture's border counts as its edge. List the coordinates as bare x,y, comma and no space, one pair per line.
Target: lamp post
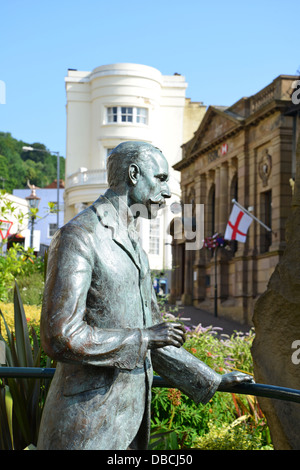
31,149
33,201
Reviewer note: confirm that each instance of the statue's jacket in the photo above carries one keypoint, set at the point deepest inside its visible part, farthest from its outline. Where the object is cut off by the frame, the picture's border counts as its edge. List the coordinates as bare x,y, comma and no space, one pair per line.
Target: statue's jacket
98,301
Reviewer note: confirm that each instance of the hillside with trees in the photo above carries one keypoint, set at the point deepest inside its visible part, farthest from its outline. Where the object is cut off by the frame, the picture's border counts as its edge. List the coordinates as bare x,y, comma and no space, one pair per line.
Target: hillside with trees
18,166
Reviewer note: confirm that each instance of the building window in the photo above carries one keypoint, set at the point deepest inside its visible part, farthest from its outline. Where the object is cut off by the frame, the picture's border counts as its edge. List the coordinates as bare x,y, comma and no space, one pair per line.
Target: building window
211,214
51,230
154,237
131,114
112,114
142,115
266,217
127,114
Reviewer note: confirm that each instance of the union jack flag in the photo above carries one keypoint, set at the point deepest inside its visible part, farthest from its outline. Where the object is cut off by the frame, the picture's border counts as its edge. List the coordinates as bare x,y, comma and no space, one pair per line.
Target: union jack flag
213,242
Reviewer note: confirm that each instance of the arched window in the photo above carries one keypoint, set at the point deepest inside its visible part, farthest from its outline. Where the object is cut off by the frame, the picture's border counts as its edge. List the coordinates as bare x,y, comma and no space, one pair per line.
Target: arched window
211,211
233,195
234,188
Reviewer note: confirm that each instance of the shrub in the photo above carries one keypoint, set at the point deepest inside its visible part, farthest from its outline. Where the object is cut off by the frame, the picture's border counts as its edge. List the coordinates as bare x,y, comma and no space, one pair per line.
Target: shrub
21,399
21,265
182,424
235,436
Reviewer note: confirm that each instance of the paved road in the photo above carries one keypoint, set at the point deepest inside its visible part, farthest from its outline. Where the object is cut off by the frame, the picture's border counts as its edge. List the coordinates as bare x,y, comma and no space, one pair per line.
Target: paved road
194,316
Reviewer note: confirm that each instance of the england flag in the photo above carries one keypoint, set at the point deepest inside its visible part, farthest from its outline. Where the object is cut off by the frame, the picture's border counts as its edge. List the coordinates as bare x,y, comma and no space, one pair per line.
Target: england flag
238,225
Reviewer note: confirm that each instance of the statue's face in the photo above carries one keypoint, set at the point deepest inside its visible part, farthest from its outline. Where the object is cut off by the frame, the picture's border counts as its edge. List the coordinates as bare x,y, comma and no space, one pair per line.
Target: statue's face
151,188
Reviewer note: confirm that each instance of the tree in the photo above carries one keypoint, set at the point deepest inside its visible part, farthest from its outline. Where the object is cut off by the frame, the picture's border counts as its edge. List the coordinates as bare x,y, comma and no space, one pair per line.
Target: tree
3,170
18,166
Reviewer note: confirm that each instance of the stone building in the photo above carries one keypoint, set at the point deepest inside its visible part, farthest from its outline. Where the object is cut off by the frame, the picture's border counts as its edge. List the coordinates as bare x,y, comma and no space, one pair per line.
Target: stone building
241,152
122,102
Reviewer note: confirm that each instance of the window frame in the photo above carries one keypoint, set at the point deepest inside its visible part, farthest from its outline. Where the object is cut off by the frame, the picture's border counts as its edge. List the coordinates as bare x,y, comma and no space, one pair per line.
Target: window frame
132,115
49,230
111,113
154,237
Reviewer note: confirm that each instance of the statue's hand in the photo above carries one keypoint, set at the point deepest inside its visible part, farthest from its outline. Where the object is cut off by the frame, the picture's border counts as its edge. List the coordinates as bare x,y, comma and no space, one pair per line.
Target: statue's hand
165,334
234,378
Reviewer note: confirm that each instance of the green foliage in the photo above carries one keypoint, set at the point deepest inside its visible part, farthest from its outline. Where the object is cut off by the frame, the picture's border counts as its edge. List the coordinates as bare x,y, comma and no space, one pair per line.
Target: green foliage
222,353
31,287
18,166
30,279
234,436
195,426
17,261
8,211
21,399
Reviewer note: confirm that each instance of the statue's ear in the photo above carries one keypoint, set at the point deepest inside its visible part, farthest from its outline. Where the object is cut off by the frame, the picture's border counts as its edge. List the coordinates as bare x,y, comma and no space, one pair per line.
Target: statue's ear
134,173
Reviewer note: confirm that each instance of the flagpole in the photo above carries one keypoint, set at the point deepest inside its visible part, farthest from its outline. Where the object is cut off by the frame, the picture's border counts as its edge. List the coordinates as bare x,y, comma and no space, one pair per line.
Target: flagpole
251,215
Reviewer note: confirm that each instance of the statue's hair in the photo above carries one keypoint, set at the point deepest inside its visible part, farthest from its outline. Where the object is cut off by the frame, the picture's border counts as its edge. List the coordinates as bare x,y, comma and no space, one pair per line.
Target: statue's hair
123,155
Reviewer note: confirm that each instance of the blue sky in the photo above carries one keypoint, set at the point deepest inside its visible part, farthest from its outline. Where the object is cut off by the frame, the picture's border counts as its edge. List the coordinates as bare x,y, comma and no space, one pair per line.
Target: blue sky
225,50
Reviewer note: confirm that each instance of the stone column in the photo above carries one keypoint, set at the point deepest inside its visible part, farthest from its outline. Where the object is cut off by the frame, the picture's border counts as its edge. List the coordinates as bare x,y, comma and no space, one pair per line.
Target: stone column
222,262
174,275
250,287
223,198
217,200
187,267
241,268
199,263
187,296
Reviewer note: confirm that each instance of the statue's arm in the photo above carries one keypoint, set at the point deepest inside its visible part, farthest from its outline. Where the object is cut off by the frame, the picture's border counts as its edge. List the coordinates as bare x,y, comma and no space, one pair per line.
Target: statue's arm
185,372
192,376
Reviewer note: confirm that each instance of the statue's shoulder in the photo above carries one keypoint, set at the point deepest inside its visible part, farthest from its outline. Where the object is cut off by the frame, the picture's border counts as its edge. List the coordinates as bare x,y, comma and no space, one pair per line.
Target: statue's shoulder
88,222
89,218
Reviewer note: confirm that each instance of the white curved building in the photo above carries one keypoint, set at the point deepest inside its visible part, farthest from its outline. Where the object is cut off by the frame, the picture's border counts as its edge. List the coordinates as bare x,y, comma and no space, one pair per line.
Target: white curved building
116,103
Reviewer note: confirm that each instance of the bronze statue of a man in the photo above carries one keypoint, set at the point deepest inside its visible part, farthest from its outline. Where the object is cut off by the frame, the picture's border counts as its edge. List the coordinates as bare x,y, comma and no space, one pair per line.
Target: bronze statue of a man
101,323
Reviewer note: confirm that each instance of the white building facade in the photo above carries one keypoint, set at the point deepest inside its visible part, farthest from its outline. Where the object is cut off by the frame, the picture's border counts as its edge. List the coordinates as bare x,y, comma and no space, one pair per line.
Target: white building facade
117,103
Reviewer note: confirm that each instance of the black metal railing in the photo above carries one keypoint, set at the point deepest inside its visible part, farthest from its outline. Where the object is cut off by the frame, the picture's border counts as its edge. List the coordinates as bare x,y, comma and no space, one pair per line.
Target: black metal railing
259,390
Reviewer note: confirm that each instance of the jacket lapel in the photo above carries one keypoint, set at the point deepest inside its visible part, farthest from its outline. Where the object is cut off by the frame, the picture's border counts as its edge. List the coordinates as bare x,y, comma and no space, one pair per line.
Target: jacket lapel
109,218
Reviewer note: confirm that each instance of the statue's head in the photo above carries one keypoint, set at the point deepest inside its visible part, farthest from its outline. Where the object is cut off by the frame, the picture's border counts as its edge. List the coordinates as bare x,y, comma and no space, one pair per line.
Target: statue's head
142,171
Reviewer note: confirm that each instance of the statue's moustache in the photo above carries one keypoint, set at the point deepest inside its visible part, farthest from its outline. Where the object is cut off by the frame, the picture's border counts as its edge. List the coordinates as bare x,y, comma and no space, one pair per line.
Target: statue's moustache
159,201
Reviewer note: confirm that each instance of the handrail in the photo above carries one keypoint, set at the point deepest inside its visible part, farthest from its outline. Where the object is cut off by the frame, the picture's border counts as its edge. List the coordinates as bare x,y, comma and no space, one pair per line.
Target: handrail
259,390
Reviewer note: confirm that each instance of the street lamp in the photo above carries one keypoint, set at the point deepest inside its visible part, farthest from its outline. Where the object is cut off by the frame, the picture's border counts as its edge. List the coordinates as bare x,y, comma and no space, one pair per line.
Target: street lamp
31,149
33,201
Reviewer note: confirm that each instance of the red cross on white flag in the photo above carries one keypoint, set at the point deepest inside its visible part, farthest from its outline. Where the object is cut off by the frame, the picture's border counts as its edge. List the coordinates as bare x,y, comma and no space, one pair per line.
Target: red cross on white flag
238,225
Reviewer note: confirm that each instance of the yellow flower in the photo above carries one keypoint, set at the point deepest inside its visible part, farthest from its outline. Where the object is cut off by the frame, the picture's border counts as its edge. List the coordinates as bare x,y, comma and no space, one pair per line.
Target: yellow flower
32,313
